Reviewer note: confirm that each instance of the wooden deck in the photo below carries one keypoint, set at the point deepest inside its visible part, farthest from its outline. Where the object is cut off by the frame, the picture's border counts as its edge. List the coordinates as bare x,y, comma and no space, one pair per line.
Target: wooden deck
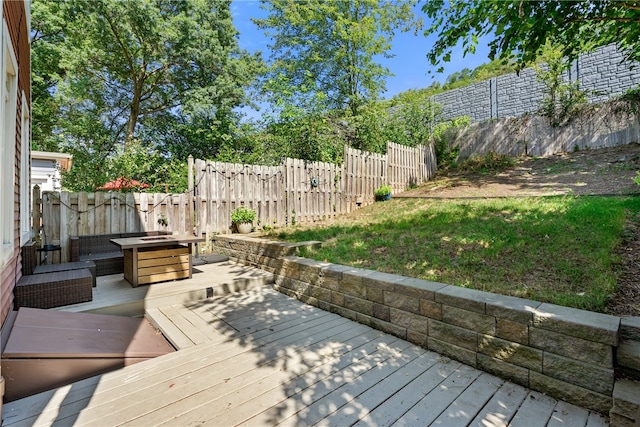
114,295
260,358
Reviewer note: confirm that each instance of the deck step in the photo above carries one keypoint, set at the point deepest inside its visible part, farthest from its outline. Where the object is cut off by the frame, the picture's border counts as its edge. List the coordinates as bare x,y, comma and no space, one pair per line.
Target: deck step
171,332
626,403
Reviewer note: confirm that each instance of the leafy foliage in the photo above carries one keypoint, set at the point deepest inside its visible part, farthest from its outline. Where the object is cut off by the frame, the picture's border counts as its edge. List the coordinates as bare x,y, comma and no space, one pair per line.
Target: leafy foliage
166,72
242,215
521,28
133,162
331,46
446,153
562,99
382,191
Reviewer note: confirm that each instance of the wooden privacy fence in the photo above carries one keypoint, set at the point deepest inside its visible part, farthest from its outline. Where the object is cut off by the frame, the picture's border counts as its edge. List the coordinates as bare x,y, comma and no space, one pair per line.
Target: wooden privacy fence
296,191
77,214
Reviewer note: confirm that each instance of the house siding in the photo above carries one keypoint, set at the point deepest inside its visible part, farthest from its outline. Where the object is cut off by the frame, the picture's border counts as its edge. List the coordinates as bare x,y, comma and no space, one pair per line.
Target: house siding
16,16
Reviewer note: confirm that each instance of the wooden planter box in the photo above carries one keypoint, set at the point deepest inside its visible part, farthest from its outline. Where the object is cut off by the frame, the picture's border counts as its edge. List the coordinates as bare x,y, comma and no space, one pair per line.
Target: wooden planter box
156,264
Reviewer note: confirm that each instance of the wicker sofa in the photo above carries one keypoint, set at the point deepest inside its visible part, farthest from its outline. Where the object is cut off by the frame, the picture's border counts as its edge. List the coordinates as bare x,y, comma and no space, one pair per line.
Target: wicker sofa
99,249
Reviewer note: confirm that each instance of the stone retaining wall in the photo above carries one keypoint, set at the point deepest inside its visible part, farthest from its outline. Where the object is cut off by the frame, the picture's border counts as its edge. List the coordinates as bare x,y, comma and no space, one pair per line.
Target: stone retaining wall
603,74
567,353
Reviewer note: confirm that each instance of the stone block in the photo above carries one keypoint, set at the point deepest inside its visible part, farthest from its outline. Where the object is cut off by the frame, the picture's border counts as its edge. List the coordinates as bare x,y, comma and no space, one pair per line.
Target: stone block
389,328
383,281
287,292
455,352
626,398
375,294
588,325
630,328
454,335
503,369
616,420
328,282
511,308
571,393
308,300
351,284
418,288
308,274
324,305
578,373
381,312
344,312
335,271
414,322
319,293
572,347
337,298
417,338
468,299
629,355
402,302
512,331
363,318
290,268
293,284
469,320
514,353
431,309
359,305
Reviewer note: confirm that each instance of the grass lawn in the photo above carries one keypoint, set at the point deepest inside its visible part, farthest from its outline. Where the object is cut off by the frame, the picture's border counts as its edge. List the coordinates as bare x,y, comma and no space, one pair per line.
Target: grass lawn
552,249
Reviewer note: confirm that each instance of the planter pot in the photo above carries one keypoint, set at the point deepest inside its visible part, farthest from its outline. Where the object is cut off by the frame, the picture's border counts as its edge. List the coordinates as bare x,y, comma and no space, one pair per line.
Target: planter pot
244,227
383,198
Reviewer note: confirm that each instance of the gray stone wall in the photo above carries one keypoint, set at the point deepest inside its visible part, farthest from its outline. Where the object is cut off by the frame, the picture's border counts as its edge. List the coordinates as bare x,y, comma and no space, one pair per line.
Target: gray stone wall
603,74
566,353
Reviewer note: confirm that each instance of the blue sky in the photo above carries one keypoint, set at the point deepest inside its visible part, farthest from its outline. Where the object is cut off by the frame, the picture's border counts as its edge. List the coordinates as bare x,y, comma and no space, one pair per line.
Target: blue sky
409,65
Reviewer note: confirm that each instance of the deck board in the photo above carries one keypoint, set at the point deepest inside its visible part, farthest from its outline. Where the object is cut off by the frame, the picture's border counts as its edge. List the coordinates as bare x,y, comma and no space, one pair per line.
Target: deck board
261,358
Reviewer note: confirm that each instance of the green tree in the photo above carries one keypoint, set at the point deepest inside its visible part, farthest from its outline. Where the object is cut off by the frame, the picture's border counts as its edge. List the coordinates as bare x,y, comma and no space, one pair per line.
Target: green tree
561,99
46,39
113,71
331,46
519,29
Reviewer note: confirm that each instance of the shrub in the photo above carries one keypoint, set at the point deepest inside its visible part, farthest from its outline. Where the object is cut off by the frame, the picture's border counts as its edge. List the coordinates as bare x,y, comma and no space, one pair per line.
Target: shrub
382,191
242,214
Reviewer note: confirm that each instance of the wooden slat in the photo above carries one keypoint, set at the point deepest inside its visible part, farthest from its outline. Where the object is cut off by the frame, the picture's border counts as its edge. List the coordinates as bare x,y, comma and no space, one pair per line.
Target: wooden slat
465,407
181,266
503,405
394,407
186,327
175,336
152,253
534,411
162,277
436,401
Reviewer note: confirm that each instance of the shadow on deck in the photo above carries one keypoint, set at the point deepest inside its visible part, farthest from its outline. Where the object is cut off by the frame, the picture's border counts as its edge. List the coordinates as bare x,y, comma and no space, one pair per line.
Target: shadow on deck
257,357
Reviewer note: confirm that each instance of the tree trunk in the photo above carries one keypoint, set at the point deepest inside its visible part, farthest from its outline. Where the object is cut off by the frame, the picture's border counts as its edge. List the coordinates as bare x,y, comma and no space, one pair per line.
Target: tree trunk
134,112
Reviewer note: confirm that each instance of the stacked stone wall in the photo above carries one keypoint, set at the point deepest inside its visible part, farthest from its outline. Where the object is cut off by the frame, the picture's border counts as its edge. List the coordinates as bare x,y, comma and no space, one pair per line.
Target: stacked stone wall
602,74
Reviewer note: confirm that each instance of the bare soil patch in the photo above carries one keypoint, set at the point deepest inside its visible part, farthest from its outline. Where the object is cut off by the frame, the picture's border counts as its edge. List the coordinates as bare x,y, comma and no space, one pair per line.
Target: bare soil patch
603,172
607,171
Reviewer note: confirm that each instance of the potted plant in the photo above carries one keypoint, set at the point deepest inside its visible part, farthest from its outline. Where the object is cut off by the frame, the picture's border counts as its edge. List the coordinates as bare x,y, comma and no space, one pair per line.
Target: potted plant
242,219
382,193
